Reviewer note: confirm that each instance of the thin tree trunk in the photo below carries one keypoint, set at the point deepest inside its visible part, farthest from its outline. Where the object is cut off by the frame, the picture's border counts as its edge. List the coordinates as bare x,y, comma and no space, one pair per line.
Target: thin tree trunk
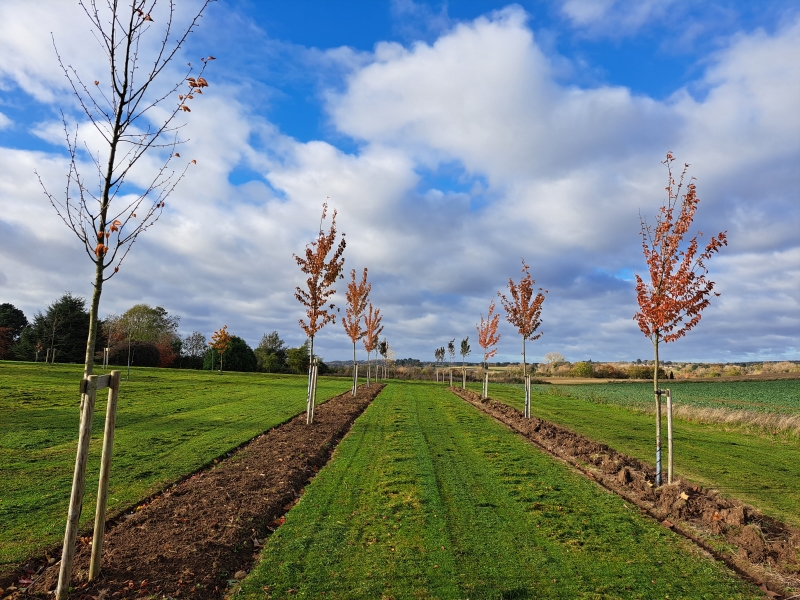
355,370
658,412
310,399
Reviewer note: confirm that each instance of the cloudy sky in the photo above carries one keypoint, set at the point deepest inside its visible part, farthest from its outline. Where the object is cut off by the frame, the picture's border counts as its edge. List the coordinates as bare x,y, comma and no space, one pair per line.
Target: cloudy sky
454,139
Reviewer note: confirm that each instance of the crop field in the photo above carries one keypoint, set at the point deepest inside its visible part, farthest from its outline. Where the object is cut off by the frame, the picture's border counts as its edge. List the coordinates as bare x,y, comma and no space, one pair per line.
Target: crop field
169,424
781,396
754,464
429,498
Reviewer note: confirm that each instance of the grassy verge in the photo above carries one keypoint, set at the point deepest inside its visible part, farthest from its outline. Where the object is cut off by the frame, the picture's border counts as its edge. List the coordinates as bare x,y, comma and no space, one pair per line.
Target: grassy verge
169,423
758,468
428,498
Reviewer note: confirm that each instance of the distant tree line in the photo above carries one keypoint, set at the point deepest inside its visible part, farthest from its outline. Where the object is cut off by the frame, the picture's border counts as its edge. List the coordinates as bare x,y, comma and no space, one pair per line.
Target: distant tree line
142,336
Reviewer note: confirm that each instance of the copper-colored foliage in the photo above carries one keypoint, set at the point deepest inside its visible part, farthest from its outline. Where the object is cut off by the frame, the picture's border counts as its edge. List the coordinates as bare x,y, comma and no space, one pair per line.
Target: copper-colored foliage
372,328
487,333
321,276
357,294
671,302
221,340
524,309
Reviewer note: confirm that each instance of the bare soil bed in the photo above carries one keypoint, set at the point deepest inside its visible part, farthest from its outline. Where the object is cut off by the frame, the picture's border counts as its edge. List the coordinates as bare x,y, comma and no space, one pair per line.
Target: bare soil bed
756,546
202,534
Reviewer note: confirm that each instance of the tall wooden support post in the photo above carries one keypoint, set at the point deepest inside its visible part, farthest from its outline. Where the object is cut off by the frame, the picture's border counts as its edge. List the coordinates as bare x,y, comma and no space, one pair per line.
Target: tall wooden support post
355,379
88,396
314,371
105,471
451,377
485,384
669,435
309,416
527,396
463,379
658,437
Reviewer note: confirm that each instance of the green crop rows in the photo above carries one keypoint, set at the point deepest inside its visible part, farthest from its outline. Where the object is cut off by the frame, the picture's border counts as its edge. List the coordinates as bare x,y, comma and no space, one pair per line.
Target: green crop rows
781,396
429,498
169,424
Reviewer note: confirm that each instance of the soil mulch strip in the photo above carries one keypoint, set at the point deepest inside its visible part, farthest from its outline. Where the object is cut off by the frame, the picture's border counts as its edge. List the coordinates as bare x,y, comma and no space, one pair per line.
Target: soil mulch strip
756,546
204,533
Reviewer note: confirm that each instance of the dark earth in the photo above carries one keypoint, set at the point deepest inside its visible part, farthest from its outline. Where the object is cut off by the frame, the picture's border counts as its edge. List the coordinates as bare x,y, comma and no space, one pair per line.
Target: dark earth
203,534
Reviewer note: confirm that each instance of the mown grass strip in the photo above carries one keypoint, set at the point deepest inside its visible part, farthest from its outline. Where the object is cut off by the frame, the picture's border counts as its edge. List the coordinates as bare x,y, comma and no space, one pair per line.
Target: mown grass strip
429,498
761,470
169,423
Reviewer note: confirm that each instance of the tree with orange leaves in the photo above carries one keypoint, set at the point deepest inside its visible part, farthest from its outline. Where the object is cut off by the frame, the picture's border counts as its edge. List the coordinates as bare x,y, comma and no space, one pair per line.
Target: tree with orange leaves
372,329
322,274
671,303
357,294
524,310
487,339
221,341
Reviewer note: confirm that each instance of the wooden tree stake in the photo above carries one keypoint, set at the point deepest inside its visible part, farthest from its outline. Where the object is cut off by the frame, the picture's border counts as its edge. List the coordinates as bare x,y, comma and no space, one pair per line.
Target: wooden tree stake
88,397
105,471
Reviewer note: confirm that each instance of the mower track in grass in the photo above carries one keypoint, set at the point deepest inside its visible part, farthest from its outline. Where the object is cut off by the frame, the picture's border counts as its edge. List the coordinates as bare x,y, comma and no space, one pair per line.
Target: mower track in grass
758,547
197,537
429,498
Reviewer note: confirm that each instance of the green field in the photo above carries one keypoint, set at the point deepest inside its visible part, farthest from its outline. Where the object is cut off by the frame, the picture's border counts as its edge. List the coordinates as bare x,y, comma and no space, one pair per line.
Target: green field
754,466
169,424
782,396
426,497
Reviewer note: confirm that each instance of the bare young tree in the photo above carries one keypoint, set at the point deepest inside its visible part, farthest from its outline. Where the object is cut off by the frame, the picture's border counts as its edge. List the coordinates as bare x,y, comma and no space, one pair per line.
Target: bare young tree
108,217
132,116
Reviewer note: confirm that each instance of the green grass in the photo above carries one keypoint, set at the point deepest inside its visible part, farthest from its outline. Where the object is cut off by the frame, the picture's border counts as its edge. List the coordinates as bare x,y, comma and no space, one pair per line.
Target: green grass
169,424
758,468
427,497
781,396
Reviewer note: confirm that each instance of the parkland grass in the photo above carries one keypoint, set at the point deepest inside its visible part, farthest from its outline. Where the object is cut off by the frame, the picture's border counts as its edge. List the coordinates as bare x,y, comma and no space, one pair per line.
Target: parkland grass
169,423
749,463
427,497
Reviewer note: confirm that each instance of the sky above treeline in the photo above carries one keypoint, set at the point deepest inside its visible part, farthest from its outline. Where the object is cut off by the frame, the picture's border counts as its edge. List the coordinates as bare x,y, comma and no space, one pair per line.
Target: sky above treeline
454,139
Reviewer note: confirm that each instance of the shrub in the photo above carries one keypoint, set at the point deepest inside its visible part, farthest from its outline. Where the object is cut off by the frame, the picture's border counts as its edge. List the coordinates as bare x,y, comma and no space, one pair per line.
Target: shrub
582,369
610,372
644,372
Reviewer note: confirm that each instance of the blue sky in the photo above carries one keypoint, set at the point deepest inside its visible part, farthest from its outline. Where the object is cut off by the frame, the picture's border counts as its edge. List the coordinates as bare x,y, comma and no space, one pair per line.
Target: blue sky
454,139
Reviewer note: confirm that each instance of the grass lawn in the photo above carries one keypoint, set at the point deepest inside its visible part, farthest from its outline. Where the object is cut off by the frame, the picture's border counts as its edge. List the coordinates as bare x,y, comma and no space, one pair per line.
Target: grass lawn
755,467
426,497
169,423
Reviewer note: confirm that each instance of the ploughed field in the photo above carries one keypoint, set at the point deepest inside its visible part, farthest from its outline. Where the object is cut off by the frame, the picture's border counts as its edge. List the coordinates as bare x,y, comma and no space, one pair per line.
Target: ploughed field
169,424
742,438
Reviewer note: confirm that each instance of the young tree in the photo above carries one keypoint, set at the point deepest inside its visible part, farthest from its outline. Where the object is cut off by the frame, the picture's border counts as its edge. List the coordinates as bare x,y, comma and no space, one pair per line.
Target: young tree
465,350
451,350
220,341
322,274
487,339
439,355
671,303
524,310
357,295
123,112
372,329
383,350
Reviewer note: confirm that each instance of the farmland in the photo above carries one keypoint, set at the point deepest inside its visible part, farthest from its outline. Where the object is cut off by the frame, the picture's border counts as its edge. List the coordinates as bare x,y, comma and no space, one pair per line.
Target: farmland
748,462
427,497
169,424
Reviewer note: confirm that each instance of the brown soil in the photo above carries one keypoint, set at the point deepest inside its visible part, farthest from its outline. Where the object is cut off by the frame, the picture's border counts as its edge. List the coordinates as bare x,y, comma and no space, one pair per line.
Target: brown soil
196,538
756,546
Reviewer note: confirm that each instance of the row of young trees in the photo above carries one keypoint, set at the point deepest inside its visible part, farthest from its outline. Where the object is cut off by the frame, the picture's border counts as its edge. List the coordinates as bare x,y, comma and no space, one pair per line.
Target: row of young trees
323,264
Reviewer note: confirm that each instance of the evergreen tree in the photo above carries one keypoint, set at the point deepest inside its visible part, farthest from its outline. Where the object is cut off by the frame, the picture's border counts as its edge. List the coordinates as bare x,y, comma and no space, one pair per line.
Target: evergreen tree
62,328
